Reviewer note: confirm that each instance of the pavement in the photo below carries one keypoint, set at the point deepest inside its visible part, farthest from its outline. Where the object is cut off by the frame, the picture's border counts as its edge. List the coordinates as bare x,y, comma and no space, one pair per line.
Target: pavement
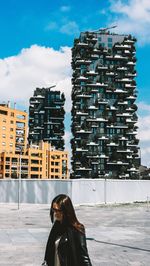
117,235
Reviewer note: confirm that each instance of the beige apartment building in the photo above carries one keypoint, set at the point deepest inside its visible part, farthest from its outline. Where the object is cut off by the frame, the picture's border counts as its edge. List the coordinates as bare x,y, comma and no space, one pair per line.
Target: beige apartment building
18,160
13,129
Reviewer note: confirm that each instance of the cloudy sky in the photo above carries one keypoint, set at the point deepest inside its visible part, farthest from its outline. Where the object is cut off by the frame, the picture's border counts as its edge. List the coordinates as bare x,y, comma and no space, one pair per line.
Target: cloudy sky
36,41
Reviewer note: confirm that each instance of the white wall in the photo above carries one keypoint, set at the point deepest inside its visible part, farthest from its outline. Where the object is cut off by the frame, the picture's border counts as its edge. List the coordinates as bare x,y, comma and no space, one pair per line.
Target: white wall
82,191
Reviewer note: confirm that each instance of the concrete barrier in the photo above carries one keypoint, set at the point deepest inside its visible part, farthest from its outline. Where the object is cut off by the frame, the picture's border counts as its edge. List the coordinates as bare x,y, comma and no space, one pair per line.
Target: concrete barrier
82,191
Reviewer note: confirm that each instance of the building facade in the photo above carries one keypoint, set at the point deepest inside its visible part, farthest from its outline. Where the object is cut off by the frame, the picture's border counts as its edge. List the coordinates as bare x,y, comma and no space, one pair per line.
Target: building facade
19,159
13,129
37,161
46,117
104,115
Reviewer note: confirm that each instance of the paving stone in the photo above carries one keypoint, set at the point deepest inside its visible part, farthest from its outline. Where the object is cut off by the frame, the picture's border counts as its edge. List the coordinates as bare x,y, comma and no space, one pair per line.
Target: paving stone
117,235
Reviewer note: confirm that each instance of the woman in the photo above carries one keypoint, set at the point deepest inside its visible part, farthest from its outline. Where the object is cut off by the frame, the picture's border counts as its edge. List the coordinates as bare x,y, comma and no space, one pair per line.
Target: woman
66,245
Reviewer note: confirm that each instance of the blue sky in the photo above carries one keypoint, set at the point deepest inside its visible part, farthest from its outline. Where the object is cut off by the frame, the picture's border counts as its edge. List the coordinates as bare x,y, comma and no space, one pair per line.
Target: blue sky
36,37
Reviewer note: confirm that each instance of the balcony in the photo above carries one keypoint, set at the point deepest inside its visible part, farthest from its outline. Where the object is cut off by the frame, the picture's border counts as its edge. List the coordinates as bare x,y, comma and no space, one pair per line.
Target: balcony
92,107
122,46
122,68
88,96
131,133
117,163
82,44
123,150
102,67
102,101
97,84
124,114
123,103
131,63
84,169
131,98
120,91
92,144
117,56
80,113
83,62
131,121
129,41
83,131
94,56
112,144
81,78
103,138
81,150
91,73
124,80
130,86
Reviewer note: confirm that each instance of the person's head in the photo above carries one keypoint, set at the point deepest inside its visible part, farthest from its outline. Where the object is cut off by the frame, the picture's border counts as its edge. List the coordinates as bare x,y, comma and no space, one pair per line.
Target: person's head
63,211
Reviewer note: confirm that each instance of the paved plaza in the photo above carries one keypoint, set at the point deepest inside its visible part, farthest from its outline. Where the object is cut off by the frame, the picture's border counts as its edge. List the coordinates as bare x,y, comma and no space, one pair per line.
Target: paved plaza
117,235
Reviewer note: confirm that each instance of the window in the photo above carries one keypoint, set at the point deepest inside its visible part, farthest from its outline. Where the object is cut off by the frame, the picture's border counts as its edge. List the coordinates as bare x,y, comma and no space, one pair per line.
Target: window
12,114
3,112
110,45
101,130
11,122
11,144
11,129
3,143
4,136
109,39
103,44
4,120
3,128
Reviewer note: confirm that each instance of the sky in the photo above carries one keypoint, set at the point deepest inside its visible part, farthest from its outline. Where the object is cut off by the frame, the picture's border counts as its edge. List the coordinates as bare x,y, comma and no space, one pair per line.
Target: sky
35,49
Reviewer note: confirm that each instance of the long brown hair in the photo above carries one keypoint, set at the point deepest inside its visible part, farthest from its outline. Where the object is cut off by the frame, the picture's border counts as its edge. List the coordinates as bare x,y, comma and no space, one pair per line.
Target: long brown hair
69,216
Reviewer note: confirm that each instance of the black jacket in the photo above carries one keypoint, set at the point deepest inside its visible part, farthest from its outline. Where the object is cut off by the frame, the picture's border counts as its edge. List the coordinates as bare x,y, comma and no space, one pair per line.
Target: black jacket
72,249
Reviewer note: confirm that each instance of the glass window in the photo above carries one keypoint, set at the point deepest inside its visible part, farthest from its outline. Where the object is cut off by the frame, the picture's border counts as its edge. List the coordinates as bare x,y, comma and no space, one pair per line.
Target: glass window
110,45
109,39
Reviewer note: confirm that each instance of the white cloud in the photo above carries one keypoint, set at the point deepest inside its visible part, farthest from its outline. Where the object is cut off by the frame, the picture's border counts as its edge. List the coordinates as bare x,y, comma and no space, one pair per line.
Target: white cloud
52,26
65,8
144,133
70,28
144,106
35,67
67,138
132,16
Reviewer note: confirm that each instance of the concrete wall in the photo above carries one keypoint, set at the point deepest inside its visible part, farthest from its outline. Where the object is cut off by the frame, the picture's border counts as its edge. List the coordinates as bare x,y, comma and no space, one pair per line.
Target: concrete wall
82,191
